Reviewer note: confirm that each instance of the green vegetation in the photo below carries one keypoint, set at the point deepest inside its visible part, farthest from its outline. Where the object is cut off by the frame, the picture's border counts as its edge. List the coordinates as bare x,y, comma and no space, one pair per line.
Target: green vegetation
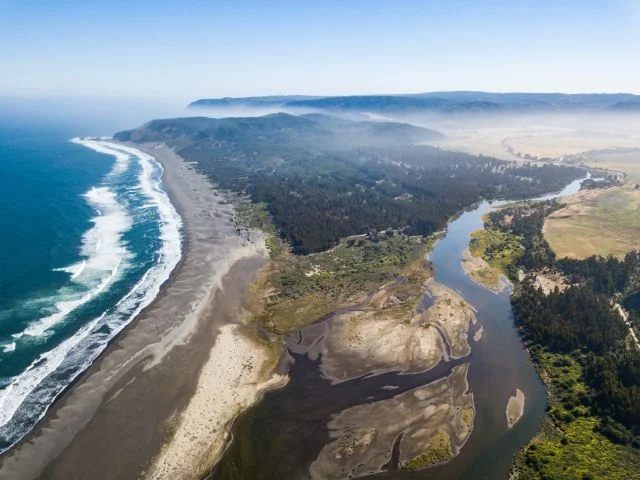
254,216
576,318
440,451
580,345
576,452
324,178
520,227
498,248
563,376
569,445
296,290
606,275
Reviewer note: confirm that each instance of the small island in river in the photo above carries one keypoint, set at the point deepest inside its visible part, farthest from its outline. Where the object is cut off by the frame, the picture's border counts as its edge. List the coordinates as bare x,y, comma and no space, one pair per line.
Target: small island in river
515,408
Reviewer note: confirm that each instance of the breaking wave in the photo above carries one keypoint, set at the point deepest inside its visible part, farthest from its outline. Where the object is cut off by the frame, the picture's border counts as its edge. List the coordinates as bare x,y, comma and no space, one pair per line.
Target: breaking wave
134,243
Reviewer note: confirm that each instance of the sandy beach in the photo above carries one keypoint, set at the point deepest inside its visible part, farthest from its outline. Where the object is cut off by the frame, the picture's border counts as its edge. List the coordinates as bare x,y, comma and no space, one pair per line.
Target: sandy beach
224,389
183,361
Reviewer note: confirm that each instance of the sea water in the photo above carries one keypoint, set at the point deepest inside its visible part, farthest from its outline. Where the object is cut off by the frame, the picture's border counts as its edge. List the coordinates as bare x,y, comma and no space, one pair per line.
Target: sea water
87,237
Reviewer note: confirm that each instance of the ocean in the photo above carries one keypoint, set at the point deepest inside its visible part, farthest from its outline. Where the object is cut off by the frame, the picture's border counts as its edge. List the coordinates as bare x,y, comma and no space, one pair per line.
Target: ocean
87,238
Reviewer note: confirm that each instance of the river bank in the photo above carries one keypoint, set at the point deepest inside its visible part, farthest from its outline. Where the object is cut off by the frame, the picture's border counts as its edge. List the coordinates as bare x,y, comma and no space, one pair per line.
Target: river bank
482,273
402,348
115,419
581,435
302,424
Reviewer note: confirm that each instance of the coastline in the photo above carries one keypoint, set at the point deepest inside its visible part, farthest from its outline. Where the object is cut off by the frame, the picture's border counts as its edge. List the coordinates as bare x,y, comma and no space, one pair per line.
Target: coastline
116,417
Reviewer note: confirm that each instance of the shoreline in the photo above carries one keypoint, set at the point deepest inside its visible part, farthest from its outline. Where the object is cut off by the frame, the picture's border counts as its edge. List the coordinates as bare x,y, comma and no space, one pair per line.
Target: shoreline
115,418
478,270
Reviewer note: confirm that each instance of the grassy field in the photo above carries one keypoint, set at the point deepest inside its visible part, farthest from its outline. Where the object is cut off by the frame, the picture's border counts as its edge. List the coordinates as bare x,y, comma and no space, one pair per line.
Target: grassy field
600,222
596,222
568,447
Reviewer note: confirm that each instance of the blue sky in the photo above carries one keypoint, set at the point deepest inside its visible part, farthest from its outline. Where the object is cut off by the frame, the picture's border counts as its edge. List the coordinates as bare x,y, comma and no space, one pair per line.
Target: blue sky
189,49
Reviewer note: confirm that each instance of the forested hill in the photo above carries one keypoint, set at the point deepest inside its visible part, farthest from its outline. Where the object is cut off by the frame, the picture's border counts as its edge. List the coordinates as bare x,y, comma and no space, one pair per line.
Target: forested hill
324,178
281,130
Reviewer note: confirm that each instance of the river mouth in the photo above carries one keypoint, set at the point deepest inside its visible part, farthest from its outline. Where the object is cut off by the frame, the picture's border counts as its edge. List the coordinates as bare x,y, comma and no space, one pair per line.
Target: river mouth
284,434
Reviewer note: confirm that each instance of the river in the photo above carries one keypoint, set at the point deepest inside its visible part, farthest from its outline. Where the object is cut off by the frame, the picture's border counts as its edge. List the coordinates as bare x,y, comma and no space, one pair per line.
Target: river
282,435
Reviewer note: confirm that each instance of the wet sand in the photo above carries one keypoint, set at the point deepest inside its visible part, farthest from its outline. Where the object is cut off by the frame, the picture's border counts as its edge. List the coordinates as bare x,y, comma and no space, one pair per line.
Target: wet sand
115,419
381,387
367,437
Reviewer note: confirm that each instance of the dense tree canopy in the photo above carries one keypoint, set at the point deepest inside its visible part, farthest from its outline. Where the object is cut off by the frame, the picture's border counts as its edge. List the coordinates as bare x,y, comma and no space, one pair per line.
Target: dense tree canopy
577,318
581,320
324,178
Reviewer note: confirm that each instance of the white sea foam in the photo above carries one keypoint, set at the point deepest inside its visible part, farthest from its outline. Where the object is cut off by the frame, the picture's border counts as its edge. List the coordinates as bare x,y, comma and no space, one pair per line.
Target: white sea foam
76,269
104,251
170,252
104,254
12,396
122,158
9,347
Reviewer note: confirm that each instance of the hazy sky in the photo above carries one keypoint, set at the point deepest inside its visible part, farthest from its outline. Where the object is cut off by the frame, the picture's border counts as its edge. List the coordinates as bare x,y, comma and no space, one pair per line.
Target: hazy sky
187,49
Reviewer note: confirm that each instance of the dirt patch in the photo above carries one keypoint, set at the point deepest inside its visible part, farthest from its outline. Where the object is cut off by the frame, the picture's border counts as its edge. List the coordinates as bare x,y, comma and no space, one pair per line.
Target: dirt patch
549,281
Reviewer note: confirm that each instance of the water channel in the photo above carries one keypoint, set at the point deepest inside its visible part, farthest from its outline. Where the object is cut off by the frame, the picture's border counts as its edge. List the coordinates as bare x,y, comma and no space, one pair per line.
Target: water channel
283,434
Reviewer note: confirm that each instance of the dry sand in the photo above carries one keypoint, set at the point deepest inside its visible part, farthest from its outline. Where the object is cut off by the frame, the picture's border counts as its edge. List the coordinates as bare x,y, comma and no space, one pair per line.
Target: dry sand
370,340
357,343
230,381
452,315
115,419
515,408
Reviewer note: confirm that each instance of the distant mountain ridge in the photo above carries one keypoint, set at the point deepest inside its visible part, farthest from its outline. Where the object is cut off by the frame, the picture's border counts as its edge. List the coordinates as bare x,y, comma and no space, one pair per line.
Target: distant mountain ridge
439,102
